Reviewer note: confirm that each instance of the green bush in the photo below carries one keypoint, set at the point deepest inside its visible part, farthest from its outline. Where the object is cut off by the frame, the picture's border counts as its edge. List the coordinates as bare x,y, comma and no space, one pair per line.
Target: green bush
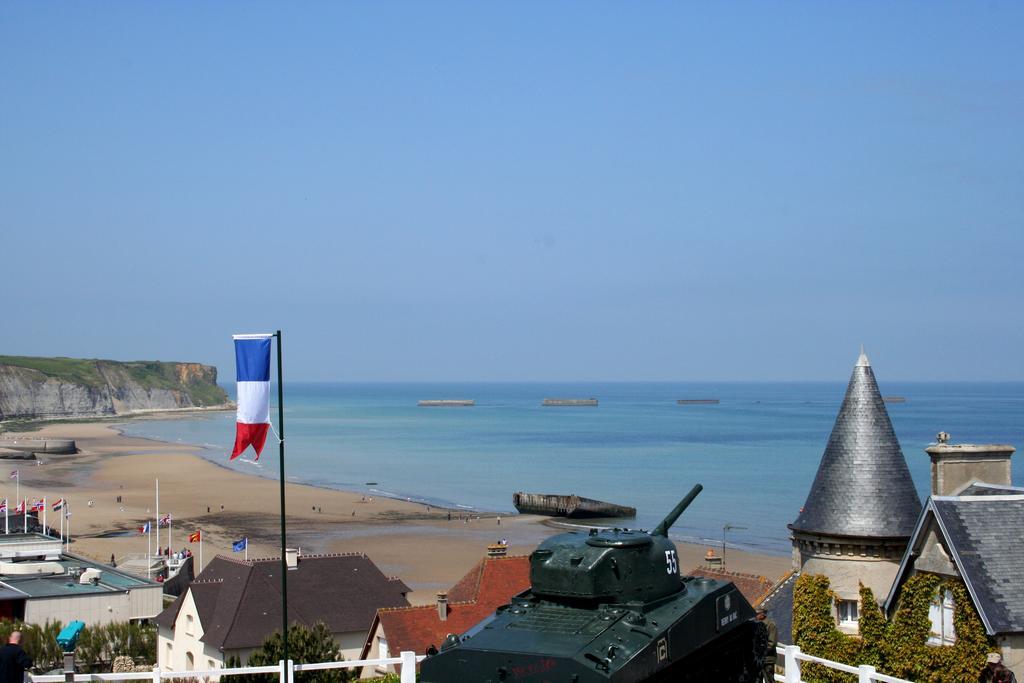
305,645
96,648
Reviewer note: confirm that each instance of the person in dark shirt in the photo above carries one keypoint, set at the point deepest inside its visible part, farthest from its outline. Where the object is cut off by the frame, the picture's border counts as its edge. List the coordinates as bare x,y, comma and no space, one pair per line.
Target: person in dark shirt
994,671
772,632
13,660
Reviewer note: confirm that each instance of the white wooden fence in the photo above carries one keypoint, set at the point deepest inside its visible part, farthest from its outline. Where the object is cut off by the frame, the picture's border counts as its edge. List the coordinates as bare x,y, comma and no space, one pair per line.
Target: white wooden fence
285,671
791,658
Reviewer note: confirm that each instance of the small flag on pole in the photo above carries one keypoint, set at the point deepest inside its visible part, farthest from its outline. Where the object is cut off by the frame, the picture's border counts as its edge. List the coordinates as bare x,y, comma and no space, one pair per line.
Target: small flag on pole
3,505
14,474
239,546
20,509
252,373
144,529
195,537
165,520
38,506
58,504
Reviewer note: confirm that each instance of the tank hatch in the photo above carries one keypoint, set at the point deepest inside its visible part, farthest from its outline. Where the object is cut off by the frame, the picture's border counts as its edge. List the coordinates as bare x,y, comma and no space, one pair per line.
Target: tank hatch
619,538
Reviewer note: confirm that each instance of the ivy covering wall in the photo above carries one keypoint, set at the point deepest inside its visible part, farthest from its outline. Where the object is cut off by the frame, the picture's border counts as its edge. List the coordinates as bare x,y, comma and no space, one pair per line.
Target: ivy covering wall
897,647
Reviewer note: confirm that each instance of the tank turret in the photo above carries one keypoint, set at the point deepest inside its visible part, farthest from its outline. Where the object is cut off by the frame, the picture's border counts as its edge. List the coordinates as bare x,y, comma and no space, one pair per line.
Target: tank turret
611,565
609,606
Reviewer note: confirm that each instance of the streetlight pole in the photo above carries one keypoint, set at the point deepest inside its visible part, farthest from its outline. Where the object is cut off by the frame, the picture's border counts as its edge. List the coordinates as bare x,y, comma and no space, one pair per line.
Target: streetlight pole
727,527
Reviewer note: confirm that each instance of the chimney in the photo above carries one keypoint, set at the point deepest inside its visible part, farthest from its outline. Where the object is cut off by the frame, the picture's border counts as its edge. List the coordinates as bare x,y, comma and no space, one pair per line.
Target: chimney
955,466
442,606
291,558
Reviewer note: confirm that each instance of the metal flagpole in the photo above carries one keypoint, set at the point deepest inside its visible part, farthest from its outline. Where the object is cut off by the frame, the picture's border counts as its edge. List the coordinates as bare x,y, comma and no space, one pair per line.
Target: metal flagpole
170,543
284,560
62,520
200,551
67,529
149,551
24,515
44,517
156,518
7,525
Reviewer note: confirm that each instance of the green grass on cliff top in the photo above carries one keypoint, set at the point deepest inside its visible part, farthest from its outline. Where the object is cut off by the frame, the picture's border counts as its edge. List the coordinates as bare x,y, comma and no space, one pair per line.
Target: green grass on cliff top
77,370
149,374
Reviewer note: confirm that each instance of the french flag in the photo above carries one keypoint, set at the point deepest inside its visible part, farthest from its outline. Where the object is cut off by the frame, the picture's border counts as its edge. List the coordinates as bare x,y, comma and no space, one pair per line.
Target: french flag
252,372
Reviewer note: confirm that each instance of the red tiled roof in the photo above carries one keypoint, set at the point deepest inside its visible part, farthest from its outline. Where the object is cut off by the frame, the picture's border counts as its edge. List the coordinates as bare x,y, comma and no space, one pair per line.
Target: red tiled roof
488,585
753,587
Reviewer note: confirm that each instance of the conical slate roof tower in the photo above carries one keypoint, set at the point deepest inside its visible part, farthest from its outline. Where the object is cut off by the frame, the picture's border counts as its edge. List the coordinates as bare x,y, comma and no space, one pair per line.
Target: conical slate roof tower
863,487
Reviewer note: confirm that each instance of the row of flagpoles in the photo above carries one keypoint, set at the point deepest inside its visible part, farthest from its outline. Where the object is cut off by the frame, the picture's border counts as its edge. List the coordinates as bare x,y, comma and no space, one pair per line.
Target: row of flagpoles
22,508
63,507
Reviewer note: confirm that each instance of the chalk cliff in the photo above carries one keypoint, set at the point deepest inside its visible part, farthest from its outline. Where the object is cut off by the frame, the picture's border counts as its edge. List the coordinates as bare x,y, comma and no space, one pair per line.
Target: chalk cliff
72,387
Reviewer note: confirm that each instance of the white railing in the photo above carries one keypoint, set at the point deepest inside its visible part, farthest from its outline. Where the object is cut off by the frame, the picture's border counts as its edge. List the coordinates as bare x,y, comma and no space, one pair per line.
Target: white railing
792,657
284,670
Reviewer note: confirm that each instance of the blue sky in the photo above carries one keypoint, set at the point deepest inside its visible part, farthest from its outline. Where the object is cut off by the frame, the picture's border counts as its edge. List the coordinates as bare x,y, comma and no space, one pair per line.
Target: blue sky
506,191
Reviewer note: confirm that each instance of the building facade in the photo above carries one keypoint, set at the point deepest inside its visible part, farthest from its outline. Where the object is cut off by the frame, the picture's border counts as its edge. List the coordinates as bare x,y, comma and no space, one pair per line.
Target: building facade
970,530
234,605
39,582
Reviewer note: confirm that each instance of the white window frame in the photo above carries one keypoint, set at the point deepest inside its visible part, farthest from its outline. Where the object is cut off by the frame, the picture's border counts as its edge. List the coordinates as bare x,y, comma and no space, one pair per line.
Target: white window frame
940,614
382,651
843,609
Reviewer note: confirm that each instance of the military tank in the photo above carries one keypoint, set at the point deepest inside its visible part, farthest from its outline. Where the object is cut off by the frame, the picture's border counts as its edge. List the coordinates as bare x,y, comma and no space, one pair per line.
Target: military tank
609,606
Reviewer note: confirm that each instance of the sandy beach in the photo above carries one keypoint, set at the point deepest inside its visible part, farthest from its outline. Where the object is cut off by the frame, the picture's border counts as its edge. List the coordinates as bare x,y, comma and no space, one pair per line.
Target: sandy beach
415,542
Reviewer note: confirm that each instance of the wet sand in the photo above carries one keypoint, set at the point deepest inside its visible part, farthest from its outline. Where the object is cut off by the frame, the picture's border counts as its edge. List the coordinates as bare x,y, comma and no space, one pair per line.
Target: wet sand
410,540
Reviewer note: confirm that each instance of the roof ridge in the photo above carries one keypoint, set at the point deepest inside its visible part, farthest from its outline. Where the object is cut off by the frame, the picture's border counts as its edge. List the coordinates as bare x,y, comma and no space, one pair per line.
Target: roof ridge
315,556
969,498
409,608
730,572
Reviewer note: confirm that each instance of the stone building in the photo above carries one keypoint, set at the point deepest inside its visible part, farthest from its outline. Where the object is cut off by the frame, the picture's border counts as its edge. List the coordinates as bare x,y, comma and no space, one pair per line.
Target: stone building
862,507
970,530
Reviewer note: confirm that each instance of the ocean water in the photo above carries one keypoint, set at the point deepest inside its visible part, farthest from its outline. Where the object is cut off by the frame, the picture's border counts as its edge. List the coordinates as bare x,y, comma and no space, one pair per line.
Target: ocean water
756,452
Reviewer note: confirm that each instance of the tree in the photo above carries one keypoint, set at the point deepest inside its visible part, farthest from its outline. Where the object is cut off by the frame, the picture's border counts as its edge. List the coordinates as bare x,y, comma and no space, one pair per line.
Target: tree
305,645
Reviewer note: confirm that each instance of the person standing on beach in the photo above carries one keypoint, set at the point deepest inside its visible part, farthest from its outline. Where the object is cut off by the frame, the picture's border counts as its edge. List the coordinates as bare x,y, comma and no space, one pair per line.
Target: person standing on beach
13,660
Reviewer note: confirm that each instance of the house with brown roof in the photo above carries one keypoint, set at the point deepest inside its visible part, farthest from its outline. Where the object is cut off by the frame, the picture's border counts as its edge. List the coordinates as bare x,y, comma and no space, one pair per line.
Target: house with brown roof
487,586
233,605
753,586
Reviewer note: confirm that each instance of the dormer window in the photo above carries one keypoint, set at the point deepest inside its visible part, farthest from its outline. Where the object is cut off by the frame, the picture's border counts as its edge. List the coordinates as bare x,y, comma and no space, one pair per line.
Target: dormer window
940,613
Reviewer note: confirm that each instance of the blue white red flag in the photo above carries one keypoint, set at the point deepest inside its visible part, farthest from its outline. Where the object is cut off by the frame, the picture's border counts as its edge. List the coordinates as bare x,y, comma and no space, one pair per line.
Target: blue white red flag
144,528
252,373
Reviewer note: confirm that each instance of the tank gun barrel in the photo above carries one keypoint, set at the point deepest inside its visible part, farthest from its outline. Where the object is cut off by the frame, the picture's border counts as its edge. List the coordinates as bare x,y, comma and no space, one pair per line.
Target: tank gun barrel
670,519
